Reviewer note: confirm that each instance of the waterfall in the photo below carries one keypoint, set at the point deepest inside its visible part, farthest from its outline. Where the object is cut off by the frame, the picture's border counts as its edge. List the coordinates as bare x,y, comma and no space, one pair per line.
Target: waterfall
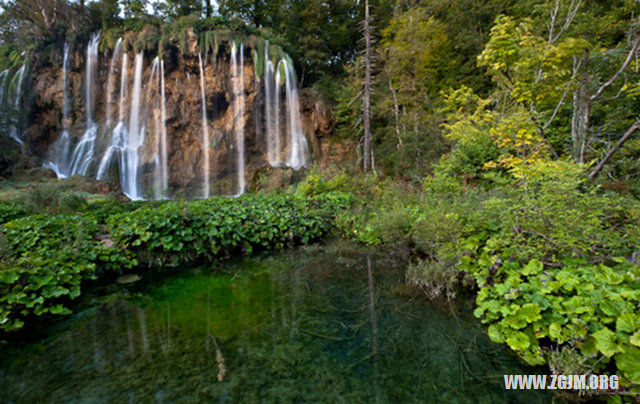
118,134
276,116
83,152
133,139
3,74
13,131
62,146
273,139
128,141
66,104
162,147
298,149
153,103
205,133
128,128
110,80
238,90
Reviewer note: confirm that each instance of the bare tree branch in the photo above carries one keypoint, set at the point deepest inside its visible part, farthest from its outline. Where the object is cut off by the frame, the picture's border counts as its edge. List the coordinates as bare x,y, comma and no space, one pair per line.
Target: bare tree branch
614,148
632,52
571,14
555,111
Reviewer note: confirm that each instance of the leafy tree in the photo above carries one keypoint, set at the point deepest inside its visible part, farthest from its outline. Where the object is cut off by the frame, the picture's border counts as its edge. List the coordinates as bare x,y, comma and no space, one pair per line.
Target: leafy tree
415,55
110,13
570,80
323,34
29,17
179,8
134,8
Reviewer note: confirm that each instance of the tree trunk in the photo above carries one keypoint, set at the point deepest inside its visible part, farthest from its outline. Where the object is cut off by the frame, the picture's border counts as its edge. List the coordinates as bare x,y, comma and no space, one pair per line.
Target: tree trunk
580,120
366,105
396,111
45,15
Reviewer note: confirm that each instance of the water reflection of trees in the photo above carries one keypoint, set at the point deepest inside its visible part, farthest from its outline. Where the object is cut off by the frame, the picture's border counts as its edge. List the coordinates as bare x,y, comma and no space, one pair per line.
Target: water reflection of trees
301,328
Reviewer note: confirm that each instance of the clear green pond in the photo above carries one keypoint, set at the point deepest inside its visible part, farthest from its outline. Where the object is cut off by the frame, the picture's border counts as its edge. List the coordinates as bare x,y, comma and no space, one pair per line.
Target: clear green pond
321,325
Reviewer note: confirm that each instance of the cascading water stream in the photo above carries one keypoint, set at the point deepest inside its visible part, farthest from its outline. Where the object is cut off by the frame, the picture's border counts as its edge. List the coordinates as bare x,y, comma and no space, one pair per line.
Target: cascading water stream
133,139
83,152
13,131
118,133
162,146
276,114
238,90
205,134
62,146
143,165
110,81
298,149
273,138
3,74
152,106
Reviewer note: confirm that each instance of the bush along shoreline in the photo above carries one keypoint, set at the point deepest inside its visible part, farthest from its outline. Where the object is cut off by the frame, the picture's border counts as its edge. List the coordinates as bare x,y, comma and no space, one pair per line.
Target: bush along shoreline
47,260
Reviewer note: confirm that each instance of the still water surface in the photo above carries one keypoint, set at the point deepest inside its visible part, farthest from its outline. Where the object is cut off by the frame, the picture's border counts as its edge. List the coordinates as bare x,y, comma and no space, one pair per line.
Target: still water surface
320,325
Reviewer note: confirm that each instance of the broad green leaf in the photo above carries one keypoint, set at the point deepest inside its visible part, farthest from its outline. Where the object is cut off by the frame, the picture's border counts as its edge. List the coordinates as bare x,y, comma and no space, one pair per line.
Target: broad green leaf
609,275
607,342
518,341
555,331
534,267
8,277
614,307
495,333
628,322
533,358
629,363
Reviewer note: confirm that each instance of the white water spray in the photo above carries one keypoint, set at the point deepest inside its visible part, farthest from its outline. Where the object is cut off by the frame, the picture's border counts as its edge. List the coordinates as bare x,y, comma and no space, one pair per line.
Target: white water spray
298,149
164,174
238,90
83,153
62,147
134,138
13,131
205,133
110,80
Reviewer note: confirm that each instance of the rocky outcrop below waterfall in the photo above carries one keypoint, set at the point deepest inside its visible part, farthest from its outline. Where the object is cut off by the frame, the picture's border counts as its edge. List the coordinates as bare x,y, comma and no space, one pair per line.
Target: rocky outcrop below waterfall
191,123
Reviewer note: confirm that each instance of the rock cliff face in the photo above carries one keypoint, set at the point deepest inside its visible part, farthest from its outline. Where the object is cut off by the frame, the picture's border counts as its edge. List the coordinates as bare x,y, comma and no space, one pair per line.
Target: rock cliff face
140,120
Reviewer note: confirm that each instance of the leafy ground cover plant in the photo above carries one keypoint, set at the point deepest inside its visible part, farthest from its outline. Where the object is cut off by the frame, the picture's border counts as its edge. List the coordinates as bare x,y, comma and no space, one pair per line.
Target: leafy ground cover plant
46,260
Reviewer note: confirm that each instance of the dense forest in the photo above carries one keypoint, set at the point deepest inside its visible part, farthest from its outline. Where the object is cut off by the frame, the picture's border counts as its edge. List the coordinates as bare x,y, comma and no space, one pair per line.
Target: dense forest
492,145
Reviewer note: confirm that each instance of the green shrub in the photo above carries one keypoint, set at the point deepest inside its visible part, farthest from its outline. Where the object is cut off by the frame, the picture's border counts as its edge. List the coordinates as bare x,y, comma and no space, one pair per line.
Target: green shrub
552,273
39,283
553,215
219,226
434,228
391,226
434,278
53,198
594,307
45,261
314,183
9,212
